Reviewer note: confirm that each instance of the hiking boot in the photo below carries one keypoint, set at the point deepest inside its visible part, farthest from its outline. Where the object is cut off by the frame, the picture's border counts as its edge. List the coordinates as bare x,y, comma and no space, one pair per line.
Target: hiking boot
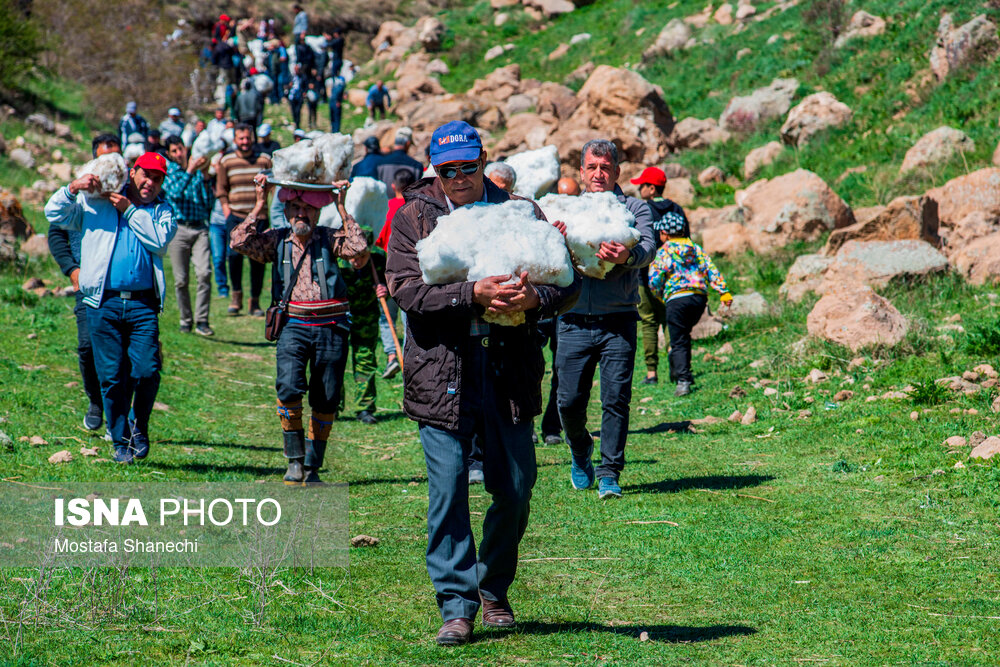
295,451
255,309
122,454
94,417
476,476
552,439
581,473
315,451
683,388
236,304
140,442
455,632
607,487
203,329
185,328
391,368
366,417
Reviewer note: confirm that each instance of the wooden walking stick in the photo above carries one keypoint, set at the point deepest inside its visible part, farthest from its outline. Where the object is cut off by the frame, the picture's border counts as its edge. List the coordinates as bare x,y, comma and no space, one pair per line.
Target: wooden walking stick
388,317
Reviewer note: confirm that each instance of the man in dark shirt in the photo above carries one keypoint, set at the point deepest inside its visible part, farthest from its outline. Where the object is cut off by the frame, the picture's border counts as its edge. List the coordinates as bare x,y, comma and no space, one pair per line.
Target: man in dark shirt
397,159
368,165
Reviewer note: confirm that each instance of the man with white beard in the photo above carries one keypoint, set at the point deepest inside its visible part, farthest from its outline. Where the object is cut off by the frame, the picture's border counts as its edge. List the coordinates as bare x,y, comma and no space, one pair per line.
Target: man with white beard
305,278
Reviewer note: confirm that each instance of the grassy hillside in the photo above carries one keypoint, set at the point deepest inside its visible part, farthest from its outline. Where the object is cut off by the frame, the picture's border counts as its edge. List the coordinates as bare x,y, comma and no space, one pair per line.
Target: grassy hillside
872,76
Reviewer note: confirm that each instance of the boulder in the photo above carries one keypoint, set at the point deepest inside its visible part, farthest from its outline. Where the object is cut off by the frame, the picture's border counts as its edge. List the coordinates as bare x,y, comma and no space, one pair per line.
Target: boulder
36,245
618,104
968,207
42,122
727,239
494,52
675,170
357,97
856,317
556,99
724,14
935,147
22,158
957,47
979,260
708,326
13,224
501,4
525,131
519,103
745,11
814,114
748,304
748,113
671,39
804,276
986,449
430,31
697,133
760,157
711,175
862,24
498,85
702,219
904,218
438,66
427,114
679,190
413,82
559,51
875,263
798,206
550,8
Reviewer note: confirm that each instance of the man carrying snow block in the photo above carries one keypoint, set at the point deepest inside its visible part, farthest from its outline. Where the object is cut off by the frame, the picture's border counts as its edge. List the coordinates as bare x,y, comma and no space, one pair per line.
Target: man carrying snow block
306,281
465,378
601,329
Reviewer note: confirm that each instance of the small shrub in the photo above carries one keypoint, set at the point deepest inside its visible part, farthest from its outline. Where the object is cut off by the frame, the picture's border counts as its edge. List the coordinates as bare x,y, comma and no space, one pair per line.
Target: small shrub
983,338
928,393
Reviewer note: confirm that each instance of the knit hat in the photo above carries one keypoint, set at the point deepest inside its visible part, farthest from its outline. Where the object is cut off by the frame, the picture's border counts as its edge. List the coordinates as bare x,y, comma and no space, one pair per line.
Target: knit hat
672,223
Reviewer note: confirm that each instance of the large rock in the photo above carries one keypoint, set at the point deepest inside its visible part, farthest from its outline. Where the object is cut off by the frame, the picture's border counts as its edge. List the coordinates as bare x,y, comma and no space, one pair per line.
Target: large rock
936,147
957,47
498,85
525,131
726,239
13,224
702,219
760,157
42,122
968,207
697,133
875,263
904,218
862,24
798,206
748,113
22,158
708,326
427,114
804,276
430,31
979,261
36,245
679,190
556,99
412,80
672,38
550,8
815,113
856,317
748,304
620,105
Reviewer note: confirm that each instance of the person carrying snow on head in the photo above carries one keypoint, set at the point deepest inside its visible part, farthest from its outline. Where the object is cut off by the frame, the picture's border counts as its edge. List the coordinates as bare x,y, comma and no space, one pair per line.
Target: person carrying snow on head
465,380
679,277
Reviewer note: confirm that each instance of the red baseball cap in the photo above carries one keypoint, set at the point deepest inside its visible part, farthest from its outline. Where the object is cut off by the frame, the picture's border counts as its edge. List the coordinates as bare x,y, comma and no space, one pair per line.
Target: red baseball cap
152,162
650,176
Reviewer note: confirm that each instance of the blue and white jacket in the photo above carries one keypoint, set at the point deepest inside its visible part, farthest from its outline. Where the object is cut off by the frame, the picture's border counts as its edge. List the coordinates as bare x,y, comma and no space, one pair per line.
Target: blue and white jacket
153,224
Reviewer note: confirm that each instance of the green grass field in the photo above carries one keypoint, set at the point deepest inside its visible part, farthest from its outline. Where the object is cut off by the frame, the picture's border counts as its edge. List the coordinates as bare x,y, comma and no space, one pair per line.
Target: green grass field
844,538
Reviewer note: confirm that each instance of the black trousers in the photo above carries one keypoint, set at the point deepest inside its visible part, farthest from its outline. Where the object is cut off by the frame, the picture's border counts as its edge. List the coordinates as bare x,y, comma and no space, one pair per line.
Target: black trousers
85,351
551,425
682,314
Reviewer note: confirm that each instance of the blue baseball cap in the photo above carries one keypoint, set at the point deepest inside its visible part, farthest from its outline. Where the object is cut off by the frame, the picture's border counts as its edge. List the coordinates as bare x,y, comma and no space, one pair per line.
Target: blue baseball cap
456,141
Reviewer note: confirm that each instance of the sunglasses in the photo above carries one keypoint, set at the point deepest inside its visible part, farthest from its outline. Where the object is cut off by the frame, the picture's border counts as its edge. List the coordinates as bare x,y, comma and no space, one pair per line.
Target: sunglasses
451,172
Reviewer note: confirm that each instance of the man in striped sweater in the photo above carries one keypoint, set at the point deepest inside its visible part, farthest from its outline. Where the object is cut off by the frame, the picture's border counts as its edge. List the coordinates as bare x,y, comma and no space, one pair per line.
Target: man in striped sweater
316,335
235,190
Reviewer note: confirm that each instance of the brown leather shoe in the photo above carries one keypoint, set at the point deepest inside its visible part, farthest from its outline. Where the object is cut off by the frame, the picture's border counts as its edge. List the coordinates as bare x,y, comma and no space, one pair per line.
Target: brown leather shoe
497,614
454,632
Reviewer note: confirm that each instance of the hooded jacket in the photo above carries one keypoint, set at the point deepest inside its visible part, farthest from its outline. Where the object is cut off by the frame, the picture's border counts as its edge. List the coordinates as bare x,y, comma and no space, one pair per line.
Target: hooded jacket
439,318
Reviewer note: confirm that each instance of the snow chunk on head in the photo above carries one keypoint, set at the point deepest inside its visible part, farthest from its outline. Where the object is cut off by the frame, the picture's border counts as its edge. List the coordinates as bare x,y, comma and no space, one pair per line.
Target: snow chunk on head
591,218
325,159
207,143
537,171
110,168
367,202
483,240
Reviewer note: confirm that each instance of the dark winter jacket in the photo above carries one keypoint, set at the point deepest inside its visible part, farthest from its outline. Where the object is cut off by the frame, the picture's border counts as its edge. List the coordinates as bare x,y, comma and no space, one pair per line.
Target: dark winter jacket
439,317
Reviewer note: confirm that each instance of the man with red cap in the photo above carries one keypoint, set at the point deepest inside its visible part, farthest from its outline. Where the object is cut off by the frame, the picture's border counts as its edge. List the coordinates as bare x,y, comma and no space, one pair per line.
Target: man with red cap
125,235
652,313
306,278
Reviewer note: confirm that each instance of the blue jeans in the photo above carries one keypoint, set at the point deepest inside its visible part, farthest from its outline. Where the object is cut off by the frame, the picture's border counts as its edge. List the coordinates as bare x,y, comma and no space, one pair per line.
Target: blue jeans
125,335
509,470
335,113
85,351
582,344
218,238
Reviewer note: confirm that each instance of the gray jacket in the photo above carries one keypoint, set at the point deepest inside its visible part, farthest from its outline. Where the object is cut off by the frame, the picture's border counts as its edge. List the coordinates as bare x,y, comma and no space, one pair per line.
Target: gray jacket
618,292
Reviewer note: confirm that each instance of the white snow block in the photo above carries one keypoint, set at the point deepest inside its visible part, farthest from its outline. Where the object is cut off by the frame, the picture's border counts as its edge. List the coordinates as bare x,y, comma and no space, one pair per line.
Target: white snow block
537,171
324,159
110,168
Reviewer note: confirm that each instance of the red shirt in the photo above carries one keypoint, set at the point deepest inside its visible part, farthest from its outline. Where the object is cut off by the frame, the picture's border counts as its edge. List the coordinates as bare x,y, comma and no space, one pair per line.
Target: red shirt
383,238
